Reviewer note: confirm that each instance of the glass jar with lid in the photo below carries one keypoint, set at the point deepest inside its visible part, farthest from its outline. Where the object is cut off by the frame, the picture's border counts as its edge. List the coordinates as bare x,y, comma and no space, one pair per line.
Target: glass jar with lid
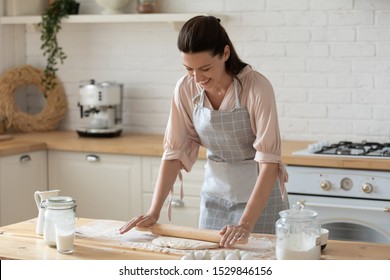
147,6
298,234
58,209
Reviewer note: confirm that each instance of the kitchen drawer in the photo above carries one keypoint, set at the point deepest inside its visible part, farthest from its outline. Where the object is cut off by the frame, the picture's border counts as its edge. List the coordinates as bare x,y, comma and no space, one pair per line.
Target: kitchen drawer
105,186
20,176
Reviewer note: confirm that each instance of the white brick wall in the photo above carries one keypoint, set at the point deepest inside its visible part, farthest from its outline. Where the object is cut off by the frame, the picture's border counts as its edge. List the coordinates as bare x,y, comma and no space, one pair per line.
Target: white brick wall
329,62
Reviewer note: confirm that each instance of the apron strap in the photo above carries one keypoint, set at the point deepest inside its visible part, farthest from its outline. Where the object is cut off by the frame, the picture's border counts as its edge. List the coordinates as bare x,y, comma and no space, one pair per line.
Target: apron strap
238,103
180,175
283,178
201,99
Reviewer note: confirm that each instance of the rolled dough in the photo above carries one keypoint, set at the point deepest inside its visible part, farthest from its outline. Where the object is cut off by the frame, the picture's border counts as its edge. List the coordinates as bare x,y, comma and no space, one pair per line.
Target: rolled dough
183,243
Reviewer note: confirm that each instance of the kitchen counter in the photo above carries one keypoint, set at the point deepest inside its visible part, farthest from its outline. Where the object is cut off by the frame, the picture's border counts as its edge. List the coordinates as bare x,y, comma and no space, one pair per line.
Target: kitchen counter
151,145
19,241
12,146
131,144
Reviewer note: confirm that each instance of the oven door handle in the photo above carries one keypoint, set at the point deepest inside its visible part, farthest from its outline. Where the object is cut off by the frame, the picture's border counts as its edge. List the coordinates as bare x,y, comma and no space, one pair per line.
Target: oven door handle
305,203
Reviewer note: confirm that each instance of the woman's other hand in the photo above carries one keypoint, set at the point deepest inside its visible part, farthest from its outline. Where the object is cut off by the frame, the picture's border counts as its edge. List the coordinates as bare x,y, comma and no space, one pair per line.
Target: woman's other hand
233,234
141,221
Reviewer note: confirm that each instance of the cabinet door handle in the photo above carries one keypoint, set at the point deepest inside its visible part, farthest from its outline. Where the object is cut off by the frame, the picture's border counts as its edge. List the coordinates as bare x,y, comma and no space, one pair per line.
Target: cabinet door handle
92,158
24,158
177,203
335,206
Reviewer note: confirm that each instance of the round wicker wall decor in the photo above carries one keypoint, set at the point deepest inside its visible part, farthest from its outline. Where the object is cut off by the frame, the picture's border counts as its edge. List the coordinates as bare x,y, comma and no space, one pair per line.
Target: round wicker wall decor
12,116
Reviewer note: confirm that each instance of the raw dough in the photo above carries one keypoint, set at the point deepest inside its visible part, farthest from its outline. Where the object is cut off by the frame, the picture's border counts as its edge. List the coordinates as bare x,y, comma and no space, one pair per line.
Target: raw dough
183,243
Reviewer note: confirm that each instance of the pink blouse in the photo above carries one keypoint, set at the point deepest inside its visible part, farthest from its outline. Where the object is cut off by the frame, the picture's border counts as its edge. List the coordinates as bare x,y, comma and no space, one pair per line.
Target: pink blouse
181,140
256,94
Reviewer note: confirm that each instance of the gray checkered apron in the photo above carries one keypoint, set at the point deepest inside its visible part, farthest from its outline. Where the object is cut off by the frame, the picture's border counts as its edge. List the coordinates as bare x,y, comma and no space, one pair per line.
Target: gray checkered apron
231,171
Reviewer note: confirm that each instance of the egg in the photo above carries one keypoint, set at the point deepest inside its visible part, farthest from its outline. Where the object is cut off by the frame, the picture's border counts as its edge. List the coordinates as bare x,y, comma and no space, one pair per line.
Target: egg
231,256
216,257
246,256
206,255
222,255
198,255
237,253
187,257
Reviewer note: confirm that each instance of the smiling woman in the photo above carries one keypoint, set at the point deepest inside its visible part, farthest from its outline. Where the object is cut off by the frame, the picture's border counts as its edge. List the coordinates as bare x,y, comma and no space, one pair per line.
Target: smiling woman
227,107
11,116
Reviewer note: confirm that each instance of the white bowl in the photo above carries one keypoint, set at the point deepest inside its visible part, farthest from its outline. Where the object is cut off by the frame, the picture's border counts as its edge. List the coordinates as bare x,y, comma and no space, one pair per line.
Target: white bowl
113,6
324,237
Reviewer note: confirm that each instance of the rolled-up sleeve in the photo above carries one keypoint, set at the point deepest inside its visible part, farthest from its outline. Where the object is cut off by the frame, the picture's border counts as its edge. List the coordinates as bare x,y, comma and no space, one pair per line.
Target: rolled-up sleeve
181,140
261,105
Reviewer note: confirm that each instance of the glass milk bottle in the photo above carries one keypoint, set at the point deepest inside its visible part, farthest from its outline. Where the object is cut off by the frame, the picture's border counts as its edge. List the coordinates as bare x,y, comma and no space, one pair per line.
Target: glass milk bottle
58,210
298,235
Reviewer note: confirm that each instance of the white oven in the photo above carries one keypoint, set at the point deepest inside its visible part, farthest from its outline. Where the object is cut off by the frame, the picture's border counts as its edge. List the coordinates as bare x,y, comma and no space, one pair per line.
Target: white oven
353,204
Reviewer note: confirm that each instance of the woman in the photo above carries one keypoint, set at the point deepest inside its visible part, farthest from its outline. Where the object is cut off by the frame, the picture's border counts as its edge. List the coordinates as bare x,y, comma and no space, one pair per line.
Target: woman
225,106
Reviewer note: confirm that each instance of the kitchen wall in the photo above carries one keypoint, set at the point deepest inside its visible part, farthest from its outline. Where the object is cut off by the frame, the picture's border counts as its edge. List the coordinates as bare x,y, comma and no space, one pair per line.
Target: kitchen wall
329,62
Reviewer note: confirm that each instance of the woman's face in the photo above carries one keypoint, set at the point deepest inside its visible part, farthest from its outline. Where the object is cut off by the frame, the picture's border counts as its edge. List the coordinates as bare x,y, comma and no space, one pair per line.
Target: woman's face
207,70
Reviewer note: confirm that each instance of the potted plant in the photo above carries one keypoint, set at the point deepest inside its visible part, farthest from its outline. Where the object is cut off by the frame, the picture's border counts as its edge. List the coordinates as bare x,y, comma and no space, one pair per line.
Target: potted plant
50,26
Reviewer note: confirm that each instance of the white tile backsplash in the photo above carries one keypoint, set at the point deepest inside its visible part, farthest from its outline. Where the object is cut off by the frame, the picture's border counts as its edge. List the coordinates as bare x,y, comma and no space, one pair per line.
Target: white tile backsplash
329,62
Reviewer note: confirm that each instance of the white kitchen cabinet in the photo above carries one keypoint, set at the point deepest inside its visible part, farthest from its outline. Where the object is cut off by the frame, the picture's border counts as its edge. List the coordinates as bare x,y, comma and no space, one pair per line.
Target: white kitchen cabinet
20,176
184,212
105,186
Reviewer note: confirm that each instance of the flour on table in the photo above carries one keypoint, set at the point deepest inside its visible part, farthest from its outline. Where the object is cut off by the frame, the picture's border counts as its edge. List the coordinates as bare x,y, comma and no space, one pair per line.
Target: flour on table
108,231
183,243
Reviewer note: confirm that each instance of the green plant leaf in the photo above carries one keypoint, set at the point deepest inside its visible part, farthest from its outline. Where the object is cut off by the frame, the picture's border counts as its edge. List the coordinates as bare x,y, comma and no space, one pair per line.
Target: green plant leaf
50,26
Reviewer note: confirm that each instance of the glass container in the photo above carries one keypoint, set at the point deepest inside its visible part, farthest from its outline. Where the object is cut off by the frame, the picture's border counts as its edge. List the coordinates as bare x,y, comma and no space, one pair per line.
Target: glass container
58,210
147,6
298,235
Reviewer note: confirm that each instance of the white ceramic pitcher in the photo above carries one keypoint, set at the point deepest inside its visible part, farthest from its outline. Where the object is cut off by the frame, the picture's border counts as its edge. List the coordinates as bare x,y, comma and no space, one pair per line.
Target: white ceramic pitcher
39,197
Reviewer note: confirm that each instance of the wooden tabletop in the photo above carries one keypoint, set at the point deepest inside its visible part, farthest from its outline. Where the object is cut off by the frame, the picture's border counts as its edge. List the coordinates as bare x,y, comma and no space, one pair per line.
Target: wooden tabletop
19,241
152,145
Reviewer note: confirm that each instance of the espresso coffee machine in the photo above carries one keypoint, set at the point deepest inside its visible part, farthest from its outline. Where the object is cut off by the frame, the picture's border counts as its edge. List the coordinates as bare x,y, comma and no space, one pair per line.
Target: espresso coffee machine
103,103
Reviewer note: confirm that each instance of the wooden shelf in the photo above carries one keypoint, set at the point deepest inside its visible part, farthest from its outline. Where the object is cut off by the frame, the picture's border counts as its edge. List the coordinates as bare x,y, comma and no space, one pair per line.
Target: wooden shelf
122,18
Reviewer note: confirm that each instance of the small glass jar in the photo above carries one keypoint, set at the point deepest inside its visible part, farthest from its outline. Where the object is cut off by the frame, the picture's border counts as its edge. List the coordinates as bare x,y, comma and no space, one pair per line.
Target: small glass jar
58,210
298,235
147,6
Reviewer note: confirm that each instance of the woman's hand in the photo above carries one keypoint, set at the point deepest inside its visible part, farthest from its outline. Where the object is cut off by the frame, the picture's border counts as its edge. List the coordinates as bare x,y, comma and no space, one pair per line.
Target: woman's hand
141,221
234,234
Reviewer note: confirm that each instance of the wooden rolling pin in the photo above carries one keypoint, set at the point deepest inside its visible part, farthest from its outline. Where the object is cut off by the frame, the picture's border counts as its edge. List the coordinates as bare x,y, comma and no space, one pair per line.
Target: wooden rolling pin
183,232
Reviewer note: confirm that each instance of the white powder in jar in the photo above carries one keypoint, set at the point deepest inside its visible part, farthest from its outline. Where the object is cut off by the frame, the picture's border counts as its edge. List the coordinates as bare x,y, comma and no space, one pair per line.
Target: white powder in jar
300,246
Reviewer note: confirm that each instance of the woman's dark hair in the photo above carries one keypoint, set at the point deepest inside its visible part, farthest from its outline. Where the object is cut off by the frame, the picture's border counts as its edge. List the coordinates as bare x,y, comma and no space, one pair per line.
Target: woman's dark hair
205,33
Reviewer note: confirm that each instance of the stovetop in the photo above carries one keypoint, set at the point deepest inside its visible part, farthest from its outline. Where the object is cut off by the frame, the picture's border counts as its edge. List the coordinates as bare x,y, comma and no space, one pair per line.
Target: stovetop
348,148
356,149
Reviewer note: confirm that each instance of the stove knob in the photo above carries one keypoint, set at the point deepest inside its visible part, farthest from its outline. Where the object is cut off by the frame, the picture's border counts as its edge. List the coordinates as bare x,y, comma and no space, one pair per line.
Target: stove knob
367,188
326,185
346,184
